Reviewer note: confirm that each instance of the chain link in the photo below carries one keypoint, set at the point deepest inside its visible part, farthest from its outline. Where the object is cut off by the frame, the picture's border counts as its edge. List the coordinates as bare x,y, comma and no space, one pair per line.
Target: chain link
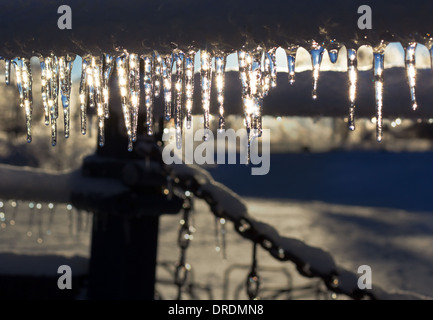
184,238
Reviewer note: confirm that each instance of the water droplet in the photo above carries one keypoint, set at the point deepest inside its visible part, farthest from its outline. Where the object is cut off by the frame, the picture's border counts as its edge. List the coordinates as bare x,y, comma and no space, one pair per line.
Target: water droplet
411,72
352,66
378,88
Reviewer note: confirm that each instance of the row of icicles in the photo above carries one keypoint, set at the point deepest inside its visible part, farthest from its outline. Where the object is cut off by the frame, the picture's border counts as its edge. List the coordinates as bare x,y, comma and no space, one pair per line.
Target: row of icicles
173,77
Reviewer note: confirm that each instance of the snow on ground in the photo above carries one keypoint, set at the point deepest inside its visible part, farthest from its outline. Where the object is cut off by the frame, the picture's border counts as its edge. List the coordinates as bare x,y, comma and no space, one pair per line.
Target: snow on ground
395,243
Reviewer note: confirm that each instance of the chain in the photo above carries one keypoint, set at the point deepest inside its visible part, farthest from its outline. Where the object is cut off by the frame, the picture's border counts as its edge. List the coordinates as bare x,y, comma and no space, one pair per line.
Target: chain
183,240
253,279
310,261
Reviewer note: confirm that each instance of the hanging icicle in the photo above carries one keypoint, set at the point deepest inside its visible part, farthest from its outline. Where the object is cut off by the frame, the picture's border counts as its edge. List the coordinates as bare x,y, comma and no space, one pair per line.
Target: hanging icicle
157,73
24,84
220,63
411,72
333,50
7,71
256,85
378,88
65,71
206,84
148,93
83,95
291,60
167,65
316,59
107,71
178,58
352,69
245,67
189,86
122,64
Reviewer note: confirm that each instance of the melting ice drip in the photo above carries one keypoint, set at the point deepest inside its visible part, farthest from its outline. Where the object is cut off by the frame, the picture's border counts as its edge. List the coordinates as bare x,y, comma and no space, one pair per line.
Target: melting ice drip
173,76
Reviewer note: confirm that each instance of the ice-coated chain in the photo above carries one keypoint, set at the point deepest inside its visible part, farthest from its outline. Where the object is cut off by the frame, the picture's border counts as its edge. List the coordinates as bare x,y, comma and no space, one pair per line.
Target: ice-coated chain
310,261
185,236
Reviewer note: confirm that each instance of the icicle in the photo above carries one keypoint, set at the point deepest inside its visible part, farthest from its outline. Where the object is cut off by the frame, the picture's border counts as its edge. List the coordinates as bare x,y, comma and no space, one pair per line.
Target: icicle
79,222
256,79
2,216
273,55
70,219
245,66
24,84
40,238
411,72
206,83
7,71
51,209
220,63
148,93
122,74
316,59
222,222
291,59
134,93
333,50
52,91
44,92
157,73
178,58
352,67
166,79
107,71
189,86
378,87
267,70
31,217
96,99
83,95
333,55
14,205
65,70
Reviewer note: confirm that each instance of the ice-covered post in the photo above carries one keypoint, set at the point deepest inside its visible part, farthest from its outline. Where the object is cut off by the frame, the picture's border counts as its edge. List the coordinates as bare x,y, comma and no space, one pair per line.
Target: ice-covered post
125,226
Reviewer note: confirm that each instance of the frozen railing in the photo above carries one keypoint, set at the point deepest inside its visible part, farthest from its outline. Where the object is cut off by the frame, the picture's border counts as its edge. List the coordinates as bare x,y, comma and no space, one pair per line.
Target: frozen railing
151,46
